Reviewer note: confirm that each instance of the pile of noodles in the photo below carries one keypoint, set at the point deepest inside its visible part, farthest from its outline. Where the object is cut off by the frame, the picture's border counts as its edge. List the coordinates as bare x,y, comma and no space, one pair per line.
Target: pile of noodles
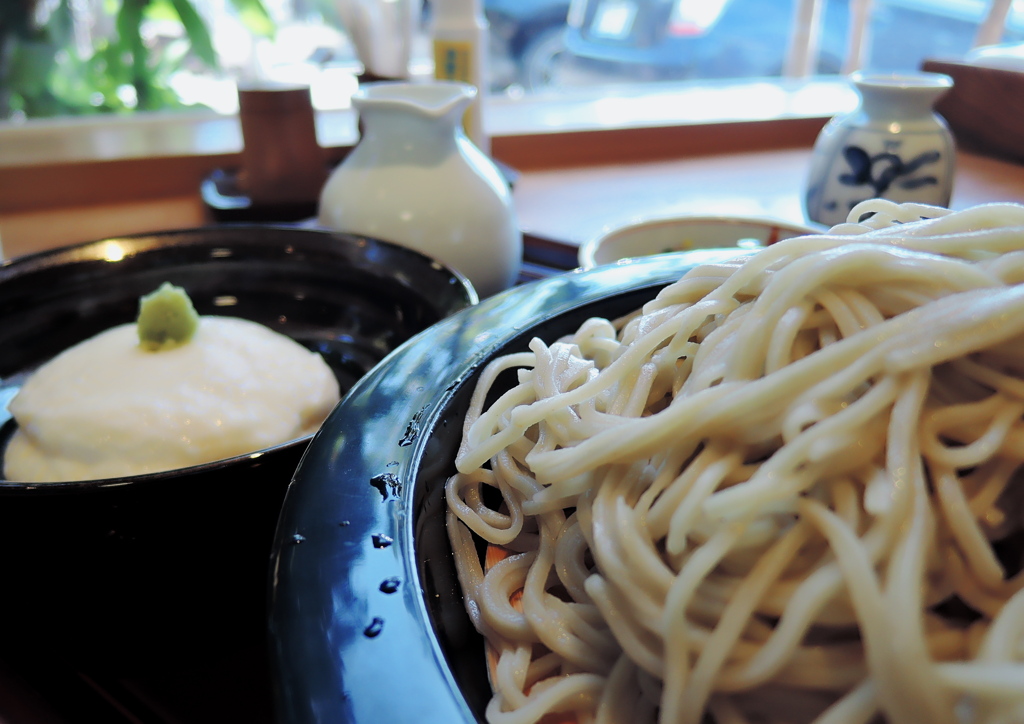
785,490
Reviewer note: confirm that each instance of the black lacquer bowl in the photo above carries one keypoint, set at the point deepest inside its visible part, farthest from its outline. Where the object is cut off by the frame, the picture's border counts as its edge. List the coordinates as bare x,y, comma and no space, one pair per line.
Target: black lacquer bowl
157,568
367,619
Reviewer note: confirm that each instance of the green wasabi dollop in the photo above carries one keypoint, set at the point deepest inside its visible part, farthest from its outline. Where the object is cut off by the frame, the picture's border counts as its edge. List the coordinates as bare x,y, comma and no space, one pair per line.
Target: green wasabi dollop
166,319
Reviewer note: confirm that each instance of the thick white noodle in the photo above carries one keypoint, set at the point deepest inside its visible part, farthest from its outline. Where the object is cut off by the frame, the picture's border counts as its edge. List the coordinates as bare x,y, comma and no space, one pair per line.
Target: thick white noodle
787,489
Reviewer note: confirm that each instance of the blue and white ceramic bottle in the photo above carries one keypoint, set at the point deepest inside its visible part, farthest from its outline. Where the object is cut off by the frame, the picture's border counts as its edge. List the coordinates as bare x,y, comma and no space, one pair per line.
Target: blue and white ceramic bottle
893,146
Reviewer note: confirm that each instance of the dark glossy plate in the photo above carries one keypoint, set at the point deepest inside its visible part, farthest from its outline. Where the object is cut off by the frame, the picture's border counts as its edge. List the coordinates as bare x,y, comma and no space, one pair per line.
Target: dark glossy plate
139,570
367,622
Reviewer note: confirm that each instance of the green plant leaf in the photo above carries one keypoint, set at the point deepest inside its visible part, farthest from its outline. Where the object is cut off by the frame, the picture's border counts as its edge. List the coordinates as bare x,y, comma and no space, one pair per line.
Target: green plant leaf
42,72
129,36
59,27
129,24
198,33
30,66
255,17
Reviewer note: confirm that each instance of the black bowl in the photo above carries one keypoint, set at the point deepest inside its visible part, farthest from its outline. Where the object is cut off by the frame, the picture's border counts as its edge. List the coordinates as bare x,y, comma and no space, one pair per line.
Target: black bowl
367,620
149,570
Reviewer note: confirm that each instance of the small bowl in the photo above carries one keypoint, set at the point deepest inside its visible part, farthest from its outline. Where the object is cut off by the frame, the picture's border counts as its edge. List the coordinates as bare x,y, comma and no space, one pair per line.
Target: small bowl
365,596
153,568
686,233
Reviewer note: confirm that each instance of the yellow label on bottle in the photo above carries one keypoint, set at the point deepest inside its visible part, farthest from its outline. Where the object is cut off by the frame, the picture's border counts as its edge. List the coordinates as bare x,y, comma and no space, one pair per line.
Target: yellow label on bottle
453,60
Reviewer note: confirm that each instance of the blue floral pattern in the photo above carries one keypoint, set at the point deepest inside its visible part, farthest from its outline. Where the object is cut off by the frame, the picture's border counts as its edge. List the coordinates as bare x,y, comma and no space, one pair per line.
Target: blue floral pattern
893,145
881,170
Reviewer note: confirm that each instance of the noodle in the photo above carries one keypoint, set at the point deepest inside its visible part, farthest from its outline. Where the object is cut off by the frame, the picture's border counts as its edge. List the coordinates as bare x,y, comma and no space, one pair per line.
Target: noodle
787,489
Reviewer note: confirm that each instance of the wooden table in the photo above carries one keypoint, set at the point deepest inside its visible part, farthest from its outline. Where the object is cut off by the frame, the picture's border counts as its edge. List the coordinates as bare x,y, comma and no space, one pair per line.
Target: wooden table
576,204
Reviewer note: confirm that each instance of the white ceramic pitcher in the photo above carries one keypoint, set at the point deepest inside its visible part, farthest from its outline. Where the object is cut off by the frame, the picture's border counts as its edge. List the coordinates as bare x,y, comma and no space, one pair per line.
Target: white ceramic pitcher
415,179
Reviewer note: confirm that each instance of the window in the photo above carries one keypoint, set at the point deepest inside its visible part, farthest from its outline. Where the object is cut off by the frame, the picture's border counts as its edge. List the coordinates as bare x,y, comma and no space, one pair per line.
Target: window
67,57
644,40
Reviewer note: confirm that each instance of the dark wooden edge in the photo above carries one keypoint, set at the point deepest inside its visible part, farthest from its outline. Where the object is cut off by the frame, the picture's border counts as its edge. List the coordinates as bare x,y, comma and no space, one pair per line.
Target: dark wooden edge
63,185
984,108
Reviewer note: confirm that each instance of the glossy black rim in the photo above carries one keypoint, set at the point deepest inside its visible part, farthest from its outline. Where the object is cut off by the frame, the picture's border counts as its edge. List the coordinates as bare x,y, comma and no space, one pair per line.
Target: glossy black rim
366,618
36,280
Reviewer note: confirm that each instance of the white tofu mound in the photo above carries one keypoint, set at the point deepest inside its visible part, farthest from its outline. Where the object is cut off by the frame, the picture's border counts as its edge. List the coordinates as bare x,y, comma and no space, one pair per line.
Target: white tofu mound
107,408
